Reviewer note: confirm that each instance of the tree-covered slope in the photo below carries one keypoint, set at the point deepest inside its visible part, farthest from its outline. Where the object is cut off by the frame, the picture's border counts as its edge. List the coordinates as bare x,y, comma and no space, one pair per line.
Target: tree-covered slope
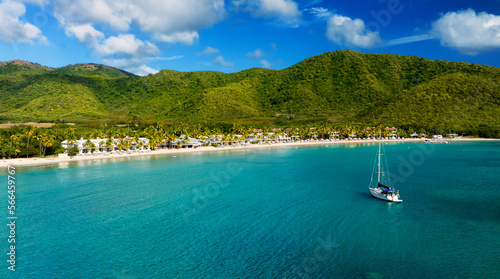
340,87
92,69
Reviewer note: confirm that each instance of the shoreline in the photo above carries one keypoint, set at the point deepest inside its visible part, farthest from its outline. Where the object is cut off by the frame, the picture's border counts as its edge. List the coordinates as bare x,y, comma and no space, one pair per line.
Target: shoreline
38,161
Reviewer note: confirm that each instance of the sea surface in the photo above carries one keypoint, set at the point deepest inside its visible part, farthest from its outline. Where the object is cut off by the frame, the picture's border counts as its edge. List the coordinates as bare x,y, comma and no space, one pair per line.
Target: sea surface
295,212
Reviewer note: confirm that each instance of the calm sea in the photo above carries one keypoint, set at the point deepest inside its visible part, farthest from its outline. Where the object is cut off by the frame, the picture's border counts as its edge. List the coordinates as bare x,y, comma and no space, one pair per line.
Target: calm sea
297,212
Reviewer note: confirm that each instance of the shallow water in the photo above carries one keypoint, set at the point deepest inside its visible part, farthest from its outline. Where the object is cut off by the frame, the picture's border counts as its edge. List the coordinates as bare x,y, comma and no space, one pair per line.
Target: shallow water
278,213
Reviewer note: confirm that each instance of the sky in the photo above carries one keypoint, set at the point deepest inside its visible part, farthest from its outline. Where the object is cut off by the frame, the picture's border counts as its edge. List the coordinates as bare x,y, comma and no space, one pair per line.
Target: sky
148,36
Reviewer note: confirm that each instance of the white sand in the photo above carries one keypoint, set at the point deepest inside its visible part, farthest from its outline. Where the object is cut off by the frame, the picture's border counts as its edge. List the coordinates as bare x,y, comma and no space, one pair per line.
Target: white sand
20,162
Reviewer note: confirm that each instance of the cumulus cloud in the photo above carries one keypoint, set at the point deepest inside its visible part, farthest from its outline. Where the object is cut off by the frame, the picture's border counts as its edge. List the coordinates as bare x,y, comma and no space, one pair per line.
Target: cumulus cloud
222,62
85,33
12,29
145,70
209,51
351,32
265,63
98,12
468,32
104,26
126,45
167,21
133,65
188,38
256,54
286,11
279,8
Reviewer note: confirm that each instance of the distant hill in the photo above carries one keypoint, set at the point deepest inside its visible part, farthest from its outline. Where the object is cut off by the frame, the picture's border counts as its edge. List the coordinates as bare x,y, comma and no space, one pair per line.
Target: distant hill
22,67
27,68
341,87
93,69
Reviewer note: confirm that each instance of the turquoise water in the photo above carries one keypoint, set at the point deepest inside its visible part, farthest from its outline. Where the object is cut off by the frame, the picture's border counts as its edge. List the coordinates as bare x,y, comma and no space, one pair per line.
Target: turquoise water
292,212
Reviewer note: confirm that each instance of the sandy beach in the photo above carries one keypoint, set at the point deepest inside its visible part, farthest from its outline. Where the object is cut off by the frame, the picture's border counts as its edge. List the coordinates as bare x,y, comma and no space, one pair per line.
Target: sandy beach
27,162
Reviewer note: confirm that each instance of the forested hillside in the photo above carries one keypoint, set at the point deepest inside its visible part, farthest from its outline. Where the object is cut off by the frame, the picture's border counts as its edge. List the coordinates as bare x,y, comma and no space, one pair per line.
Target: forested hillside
339,87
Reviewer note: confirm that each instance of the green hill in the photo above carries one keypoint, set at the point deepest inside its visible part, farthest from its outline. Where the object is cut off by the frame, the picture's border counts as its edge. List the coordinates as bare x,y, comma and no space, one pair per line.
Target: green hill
337,87
19,67
92,69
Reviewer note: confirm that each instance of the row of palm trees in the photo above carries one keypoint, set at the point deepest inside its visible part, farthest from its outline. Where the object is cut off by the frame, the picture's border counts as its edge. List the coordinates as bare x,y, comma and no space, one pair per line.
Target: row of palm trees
21,140
160,136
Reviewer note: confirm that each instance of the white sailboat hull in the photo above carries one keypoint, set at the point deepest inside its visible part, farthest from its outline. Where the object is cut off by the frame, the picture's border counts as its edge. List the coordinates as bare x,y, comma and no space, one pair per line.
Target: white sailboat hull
377,193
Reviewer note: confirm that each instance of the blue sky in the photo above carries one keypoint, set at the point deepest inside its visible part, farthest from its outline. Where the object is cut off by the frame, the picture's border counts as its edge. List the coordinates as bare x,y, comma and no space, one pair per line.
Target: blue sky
229,36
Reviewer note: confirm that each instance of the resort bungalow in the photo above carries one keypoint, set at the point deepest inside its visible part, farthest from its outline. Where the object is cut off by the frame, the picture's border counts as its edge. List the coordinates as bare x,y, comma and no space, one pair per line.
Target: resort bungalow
81,144
258,131
452,136
187,143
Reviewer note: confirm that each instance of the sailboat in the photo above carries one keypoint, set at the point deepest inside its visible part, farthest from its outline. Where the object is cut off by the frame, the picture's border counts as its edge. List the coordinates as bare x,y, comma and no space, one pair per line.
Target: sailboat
380,185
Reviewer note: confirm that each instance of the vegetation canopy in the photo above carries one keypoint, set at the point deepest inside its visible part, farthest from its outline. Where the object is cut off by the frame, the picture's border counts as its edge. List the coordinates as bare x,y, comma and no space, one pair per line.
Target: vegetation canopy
335,88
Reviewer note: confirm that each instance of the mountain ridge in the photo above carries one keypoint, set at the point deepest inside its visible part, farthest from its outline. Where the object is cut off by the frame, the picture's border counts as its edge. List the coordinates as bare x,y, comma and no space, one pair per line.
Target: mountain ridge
81,69
335,87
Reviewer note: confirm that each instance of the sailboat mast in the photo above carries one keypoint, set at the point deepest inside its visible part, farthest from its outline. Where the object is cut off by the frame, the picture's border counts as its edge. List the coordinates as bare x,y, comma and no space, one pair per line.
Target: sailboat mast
379,140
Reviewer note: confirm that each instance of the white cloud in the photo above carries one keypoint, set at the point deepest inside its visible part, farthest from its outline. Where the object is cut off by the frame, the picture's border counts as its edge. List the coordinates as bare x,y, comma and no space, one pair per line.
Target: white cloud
319,12
175,57
132,65
273,46
209,51
256,54
279,8
286,11
351,32
96,12
167,21
12,29
409,39
85,33
468,32
145,70
187,38
265,63
127,45
221,62
166,18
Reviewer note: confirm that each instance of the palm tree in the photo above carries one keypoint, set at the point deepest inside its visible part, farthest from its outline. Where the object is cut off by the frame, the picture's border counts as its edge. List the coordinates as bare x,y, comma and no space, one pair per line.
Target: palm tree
29,134
109,143
159,126
88,144
13,137
136,138
102,144
152,144
103,125
48,142
57,124
186,140
40,137
169,138
70,136
125,144
119,145
174,138
140,144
